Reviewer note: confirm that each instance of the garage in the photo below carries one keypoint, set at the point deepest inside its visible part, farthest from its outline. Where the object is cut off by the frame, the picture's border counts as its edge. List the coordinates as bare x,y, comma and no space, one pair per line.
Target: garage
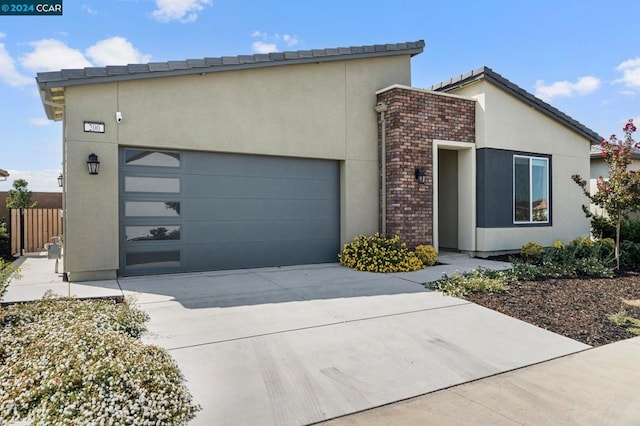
184,211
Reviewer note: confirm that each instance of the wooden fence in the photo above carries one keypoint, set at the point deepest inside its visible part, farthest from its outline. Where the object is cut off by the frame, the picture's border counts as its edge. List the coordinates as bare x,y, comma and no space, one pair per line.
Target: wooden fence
39,226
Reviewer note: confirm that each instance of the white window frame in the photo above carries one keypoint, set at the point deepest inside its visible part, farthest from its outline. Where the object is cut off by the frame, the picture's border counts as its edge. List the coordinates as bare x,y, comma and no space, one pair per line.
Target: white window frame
513,195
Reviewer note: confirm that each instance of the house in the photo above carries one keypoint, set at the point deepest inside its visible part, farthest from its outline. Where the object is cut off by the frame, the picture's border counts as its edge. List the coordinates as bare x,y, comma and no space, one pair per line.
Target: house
498,162
275,159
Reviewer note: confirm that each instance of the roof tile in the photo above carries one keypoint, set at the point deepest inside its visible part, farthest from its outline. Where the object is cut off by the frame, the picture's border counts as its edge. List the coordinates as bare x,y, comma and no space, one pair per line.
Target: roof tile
119,72
158,66
117,69
196,63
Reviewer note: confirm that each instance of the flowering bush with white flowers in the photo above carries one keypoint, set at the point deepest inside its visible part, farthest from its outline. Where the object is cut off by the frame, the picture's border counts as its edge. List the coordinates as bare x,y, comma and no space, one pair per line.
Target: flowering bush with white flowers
64,361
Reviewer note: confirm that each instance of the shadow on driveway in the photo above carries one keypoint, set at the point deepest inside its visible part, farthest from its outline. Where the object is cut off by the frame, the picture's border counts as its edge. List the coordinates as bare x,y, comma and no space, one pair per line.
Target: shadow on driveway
223,289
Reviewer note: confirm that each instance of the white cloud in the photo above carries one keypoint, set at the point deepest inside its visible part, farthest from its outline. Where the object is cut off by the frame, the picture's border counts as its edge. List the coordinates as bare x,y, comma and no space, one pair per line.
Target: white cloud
178,10
39,180
51,54
583,86
89,10
269,43
115,51
261,47
291,40
630,73
8,72
40,121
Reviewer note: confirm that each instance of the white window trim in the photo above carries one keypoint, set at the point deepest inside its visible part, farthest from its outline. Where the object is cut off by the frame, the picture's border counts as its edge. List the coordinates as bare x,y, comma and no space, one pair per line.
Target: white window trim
513,195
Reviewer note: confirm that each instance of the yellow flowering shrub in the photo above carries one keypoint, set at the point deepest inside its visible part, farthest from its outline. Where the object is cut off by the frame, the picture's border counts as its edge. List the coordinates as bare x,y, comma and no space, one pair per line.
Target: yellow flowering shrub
582,241
379,254
607,242
427,254
531,251
558,244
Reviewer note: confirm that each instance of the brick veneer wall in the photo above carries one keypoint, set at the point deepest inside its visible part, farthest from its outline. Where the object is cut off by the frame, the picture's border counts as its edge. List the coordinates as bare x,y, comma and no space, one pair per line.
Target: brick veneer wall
414,119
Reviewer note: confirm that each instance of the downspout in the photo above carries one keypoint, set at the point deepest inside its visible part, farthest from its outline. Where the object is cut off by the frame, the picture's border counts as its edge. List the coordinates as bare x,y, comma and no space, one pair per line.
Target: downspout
381,108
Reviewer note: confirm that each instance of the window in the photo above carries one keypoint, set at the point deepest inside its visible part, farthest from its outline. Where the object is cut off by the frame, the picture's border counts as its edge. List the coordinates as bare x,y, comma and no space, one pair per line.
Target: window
137,157
530,189
152,208
153,259
151,184
151,233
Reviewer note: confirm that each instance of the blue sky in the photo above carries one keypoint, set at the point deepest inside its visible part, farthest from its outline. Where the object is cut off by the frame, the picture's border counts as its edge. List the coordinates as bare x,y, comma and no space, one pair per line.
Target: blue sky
583,57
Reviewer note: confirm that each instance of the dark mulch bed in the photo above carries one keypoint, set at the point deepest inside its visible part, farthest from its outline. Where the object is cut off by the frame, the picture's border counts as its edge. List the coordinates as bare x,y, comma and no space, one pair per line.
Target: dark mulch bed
575,308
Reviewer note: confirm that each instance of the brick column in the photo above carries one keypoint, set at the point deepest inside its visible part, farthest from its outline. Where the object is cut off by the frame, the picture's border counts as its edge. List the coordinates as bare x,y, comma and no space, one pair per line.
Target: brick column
414,118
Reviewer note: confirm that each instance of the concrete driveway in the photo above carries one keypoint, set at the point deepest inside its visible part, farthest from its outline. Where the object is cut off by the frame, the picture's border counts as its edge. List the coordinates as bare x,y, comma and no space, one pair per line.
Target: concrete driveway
298,345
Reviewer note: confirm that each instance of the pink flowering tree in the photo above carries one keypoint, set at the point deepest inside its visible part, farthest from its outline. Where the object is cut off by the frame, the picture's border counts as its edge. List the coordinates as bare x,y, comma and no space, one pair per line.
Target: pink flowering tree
619,194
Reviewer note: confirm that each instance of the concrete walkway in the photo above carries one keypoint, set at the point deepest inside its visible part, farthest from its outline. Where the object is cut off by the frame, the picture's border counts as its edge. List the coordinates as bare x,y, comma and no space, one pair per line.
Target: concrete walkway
595,387
298,345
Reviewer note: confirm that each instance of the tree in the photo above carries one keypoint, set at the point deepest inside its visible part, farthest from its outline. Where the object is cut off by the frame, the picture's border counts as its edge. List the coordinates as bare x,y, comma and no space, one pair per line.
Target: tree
619,194
20,196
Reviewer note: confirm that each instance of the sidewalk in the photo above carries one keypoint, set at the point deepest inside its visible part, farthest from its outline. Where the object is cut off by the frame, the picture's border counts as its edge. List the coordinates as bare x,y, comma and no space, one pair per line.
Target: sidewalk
594,387
38,276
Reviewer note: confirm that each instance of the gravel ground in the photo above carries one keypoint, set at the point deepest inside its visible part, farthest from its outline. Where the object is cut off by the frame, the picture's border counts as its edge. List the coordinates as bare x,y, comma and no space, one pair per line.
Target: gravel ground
575,308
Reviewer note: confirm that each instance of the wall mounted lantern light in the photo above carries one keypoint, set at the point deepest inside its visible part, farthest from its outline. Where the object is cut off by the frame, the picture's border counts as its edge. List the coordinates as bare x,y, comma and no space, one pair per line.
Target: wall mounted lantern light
93,164
60,180
421,176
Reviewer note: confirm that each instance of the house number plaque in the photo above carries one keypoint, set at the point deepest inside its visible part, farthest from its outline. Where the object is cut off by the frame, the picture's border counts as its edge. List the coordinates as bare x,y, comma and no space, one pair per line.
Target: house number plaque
93,127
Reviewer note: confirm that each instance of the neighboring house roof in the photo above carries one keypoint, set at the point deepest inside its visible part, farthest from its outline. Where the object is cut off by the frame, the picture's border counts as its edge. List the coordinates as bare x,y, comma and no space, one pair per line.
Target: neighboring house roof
596,153
487,74
4,174
51,84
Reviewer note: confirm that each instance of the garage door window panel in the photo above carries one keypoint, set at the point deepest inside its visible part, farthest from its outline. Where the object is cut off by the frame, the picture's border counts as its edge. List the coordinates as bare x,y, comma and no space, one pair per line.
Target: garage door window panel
139,157
152,233
153,259
151,184
152,208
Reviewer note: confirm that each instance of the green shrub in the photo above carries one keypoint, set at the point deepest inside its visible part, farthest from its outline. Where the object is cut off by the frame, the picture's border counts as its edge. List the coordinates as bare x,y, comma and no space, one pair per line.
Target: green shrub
5,246
379,254
427,254
582,247
593,267
64,361
581,257
479,280
629,229
7,273
630,254
531,251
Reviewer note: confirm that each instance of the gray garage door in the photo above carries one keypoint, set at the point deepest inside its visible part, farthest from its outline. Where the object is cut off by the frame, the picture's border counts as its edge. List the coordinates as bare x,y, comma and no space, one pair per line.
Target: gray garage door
193,211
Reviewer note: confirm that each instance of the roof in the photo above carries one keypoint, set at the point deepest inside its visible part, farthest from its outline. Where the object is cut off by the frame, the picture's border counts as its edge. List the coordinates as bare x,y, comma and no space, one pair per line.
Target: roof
487,74
51,84
4,174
